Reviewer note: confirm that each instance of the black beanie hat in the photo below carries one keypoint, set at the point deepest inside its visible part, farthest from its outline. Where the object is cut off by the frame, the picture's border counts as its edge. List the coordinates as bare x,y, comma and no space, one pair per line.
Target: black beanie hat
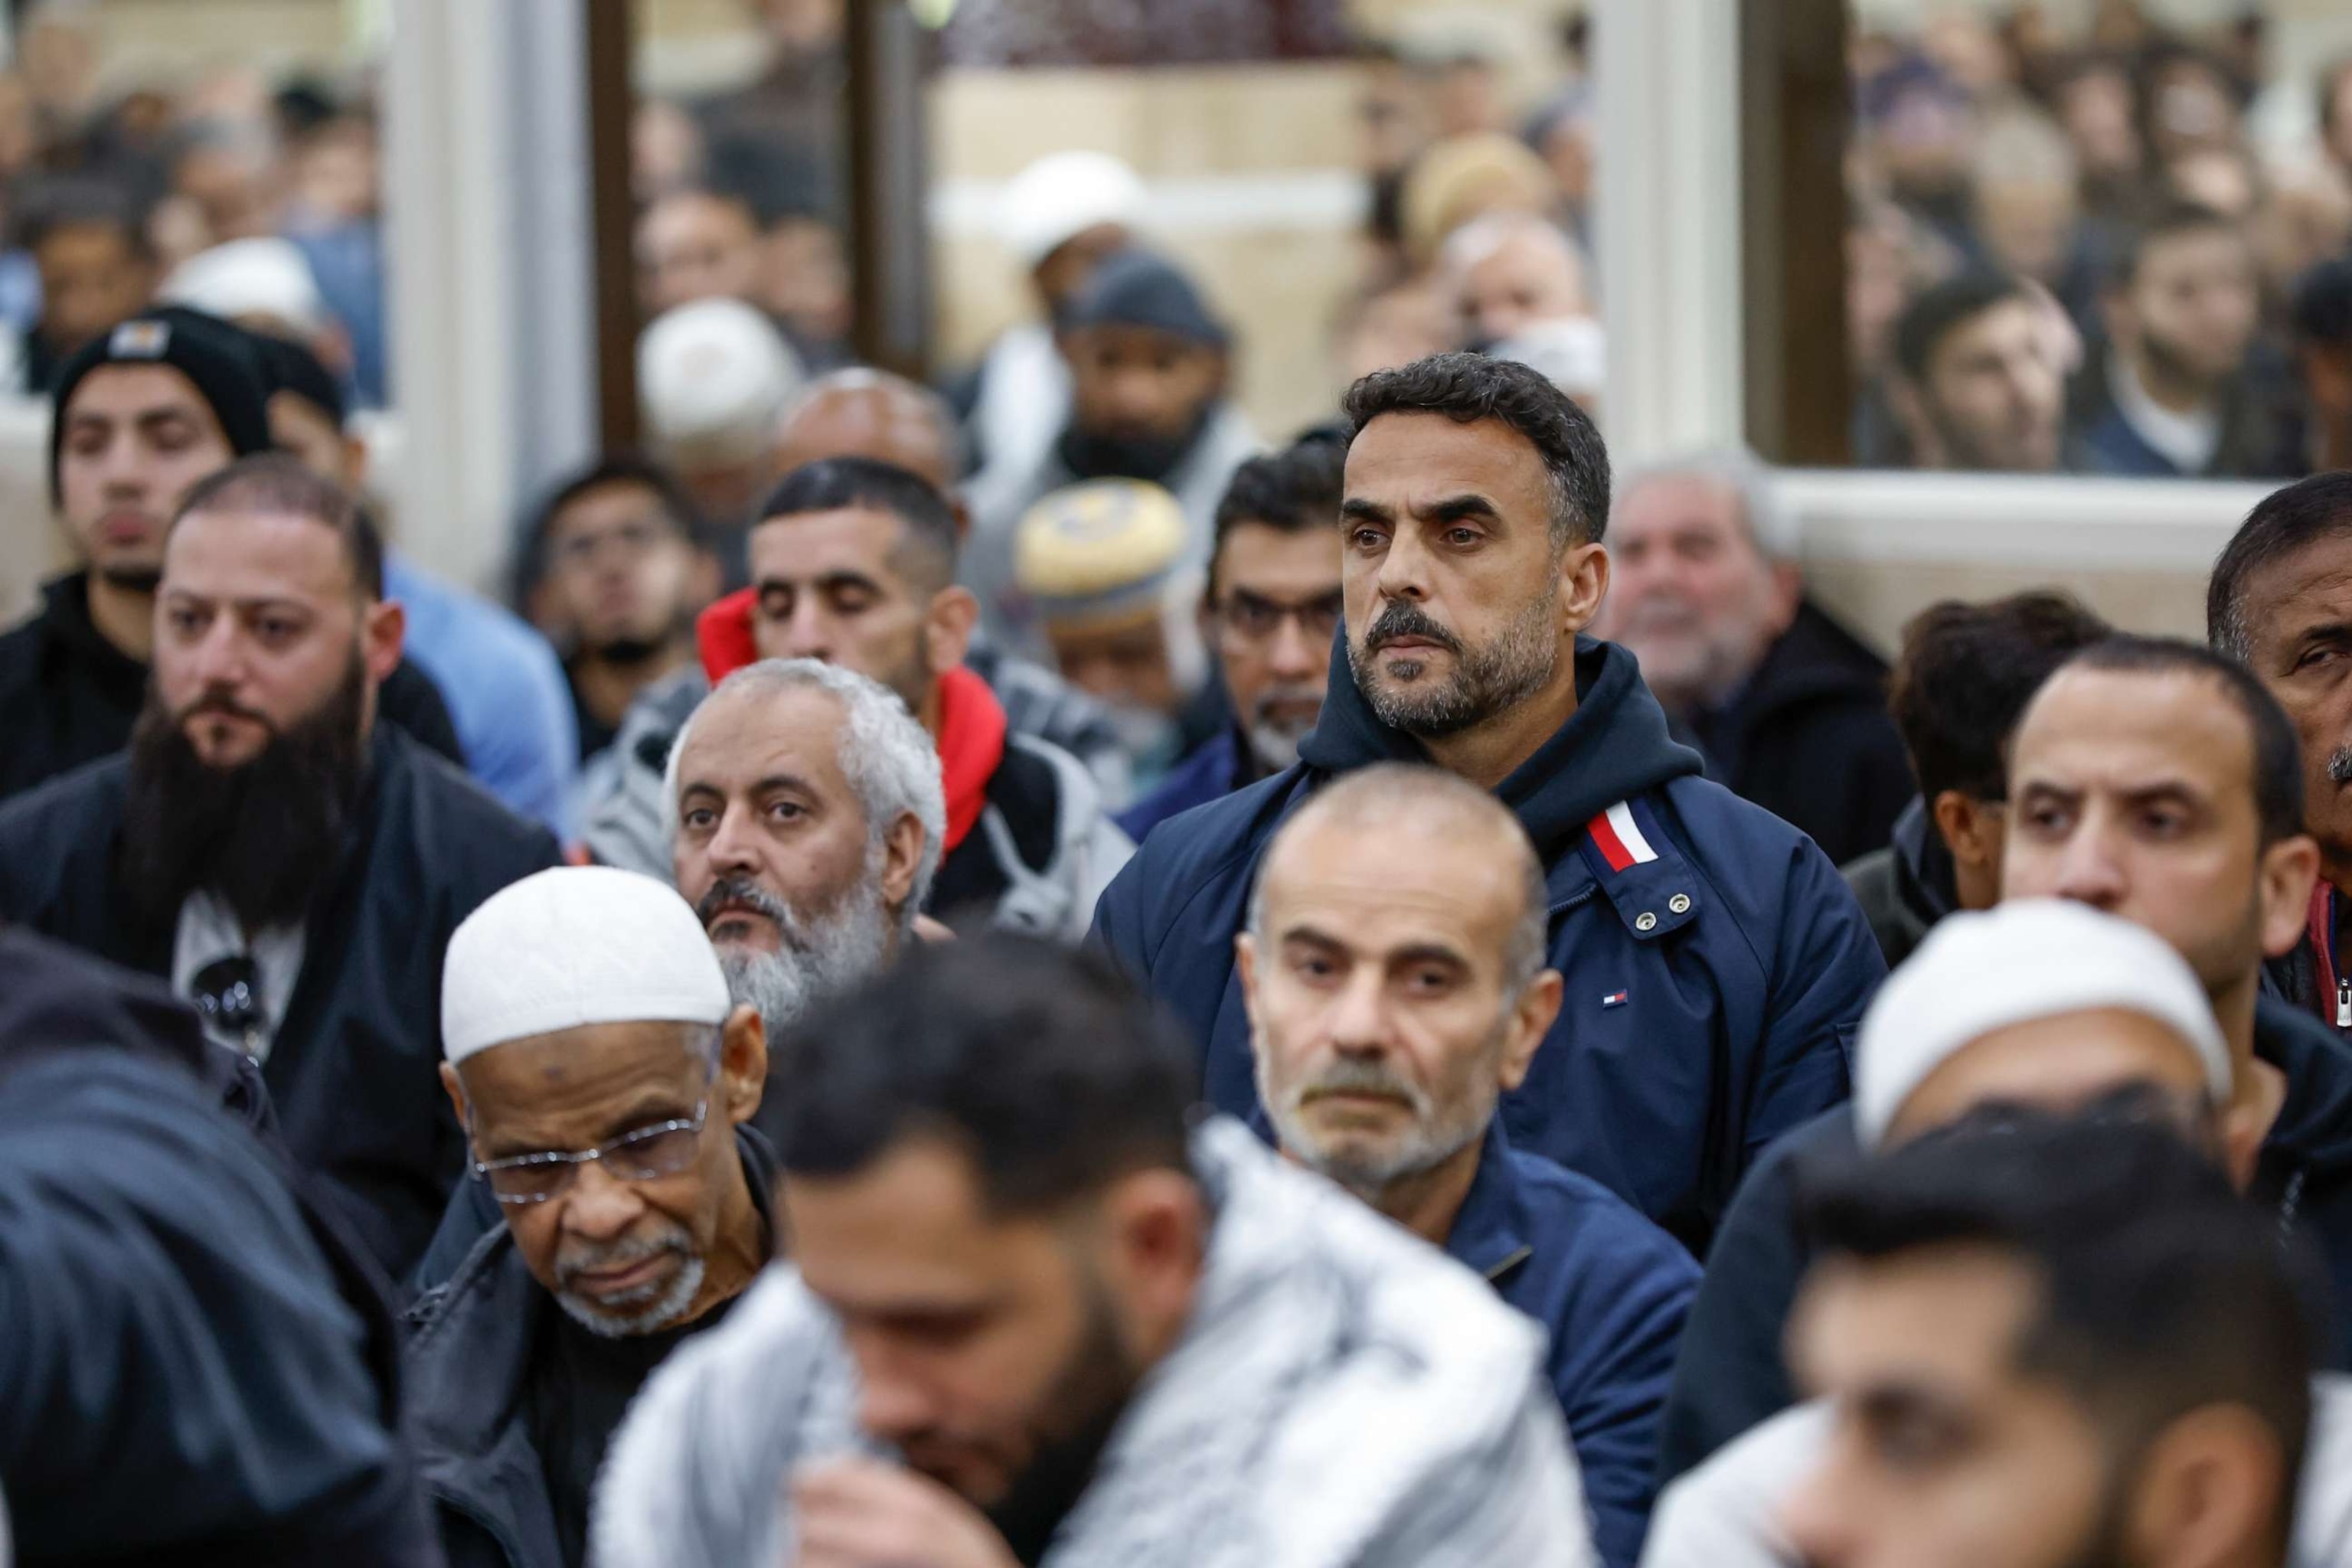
287,366
1137,288
217,356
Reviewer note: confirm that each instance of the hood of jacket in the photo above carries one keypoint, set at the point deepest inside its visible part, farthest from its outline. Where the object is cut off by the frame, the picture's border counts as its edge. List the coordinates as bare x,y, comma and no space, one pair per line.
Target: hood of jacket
1614,747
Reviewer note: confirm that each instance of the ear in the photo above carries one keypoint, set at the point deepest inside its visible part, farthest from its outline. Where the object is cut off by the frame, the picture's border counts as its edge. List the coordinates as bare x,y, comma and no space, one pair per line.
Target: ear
1531,1020
1157,1230
1583,584
948,625
2213,1489
355,463
2289,871
383,631
1245,961
902,853
1910,411
457,1090
743,1061
1962,825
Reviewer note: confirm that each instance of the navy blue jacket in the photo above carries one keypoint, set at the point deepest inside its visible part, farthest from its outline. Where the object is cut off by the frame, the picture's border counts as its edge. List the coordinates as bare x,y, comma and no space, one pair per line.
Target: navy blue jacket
1730,1374
1212,772
1612,1289
1716,977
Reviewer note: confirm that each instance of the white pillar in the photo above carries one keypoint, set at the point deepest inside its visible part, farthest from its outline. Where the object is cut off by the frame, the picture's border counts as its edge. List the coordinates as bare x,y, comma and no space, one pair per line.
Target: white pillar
487,218
1668,215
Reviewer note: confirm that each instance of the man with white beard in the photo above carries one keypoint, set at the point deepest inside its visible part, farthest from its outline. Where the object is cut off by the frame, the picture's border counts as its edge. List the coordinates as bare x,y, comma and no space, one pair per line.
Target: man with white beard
605,1079
806,813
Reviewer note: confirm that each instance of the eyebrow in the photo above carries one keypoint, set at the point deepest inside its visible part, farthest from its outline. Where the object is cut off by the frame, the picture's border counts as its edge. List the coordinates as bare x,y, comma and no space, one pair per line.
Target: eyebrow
839,579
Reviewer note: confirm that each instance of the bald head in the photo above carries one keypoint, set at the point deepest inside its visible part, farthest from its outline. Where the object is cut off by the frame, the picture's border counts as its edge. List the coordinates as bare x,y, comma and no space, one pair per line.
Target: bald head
1395,974
861,413
1483,854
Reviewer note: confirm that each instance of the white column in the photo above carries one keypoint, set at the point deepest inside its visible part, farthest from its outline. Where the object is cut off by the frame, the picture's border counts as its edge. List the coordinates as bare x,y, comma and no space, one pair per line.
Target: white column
494,363
1668,215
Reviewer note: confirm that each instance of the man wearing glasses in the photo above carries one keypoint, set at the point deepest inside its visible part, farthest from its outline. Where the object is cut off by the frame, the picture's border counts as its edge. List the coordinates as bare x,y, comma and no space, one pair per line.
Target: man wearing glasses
605,1079
1274,603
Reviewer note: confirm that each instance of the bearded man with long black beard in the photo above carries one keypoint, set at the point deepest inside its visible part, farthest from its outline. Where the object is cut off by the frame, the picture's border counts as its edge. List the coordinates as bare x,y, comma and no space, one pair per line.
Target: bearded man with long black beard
291,865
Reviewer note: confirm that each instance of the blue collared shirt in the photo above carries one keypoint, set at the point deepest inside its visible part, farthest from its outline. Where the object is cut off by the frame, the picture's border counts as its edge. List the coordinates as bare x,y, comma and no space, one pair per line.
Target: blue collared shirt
1611,1289
506,693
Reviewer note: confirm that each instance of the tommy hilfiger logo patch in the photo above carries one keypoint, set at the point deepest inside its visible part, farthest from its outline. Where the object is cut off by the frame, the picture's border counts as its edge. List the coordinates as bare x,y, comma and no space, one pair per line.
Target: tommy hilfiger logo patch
1615,998
1619,838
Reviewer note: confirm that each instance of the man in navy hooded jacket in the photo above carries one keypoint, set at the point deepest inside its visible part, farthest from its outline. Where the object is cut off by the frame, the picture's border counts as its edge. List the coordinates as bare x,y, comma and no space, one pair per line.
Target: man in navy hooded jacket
1717,967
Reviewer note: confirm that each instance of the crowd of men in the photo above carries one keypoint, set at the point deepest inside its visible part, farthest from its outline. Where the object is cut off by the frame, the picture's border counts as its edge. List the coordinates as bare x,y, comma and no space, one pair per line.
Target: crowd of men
1039,984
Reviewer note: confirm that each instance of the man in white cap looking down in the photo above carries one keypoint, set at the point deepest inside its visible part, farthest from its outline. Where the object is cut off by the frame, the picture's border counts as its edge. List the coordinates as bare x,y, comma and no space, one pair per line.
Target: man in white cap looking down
605,1079
2038,1004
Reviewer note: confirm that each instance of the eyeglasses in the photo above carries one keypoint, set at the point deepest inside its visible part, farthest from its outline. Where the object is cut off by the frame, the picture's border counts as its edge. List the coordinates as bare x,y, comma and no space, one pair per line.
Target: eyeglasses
650,1153
227,995
1248,618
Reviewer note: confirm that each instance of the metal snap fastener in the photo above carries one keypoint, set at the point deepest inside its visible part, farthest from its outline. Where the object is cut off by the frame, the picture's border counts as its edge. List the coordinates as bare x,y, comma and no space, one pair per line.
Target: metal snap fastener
1679,903
1645,921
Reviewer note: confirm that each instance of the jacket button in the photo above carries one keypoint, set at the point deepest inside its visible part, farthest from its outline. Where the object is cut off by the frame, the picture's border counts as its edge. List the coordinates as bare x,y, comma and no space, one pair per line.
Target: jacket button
1679,903
1645,921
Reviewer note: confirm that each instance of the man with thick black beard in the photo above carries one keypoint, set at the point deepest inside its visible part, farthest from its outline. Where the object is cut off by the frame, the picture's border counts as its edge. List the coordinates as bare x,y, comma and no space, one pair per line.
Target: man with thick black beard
292,866
1150,369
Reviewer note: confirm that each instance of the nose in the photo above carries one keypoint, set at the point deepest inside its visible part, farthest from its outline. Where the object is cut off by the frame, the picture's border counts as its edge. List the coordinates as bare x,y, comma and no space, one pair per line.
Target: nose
1134,396
807,633
1358,1023
217,660
2090,872
1295,655
600,1207
892,1405
1404,567
1814,1521
734,846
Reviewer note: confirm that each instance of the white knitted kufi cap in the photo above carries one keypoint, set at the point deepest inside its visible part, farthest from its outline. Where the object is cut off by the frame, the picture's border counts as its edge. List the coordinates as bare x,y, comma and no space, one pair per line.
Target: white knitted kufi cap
1062,195
576,945
714,378
2028,959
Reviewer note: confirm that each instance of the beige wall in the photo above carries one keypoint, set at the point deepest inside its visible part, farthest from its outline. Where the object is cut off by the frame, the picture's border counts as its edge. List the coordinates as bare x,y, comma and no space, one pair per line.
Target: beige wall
1874,598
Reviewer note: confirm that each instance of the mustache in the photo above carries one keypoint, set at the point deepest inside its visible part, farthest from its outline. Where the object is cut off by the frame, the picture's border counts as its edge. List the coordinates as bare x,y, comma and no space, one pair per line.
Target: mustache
573,1260
2340,767
226,704
1351,1074
1403,619
741,891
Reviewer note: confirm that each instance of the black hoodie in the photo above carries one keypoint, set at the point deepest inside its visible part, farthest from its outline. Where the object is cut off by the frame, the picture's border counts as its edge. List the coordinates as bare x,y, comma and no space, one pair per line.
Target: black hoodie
1717,967
181,1378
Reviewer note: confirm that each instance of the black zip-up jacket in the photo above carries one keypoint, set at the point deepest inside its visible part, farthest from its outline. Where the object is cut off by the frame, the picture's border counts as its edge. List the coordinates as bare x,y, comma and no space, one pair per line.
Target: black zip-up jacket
1904,888
468,1360
1809,739
194,1368
354,1069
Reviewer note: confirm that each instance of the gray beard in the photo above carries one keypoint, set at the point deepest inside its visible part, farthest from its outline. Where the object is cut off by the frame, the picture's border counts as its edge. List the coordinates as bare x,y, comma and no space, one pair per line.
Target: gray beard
817,959
655,1315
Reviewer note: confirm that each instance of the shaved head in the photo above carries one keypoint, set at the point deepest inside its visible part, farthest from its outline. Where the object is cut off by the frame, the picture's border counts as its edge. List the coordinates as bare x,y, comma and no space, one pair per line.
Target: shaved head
861,413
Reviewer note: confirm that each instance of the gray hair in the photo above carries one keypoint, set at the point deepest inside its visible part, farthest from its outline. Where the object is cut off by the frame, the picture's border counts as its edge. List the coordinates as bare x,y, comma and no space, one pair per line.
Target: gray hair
1774,528
1377,797
888,757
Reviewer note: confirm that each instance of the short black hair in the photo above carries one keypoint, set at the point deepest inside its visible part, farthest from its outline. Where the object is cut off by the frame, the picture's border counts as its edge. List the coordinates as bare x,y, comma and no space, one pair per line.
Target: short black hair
2160,1290
926,555
2321,309
1965,673
613,468
2174,218
1039,1063
1468,387
1295,490
278,483
2282,523
71,201
2277,779
1939,310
